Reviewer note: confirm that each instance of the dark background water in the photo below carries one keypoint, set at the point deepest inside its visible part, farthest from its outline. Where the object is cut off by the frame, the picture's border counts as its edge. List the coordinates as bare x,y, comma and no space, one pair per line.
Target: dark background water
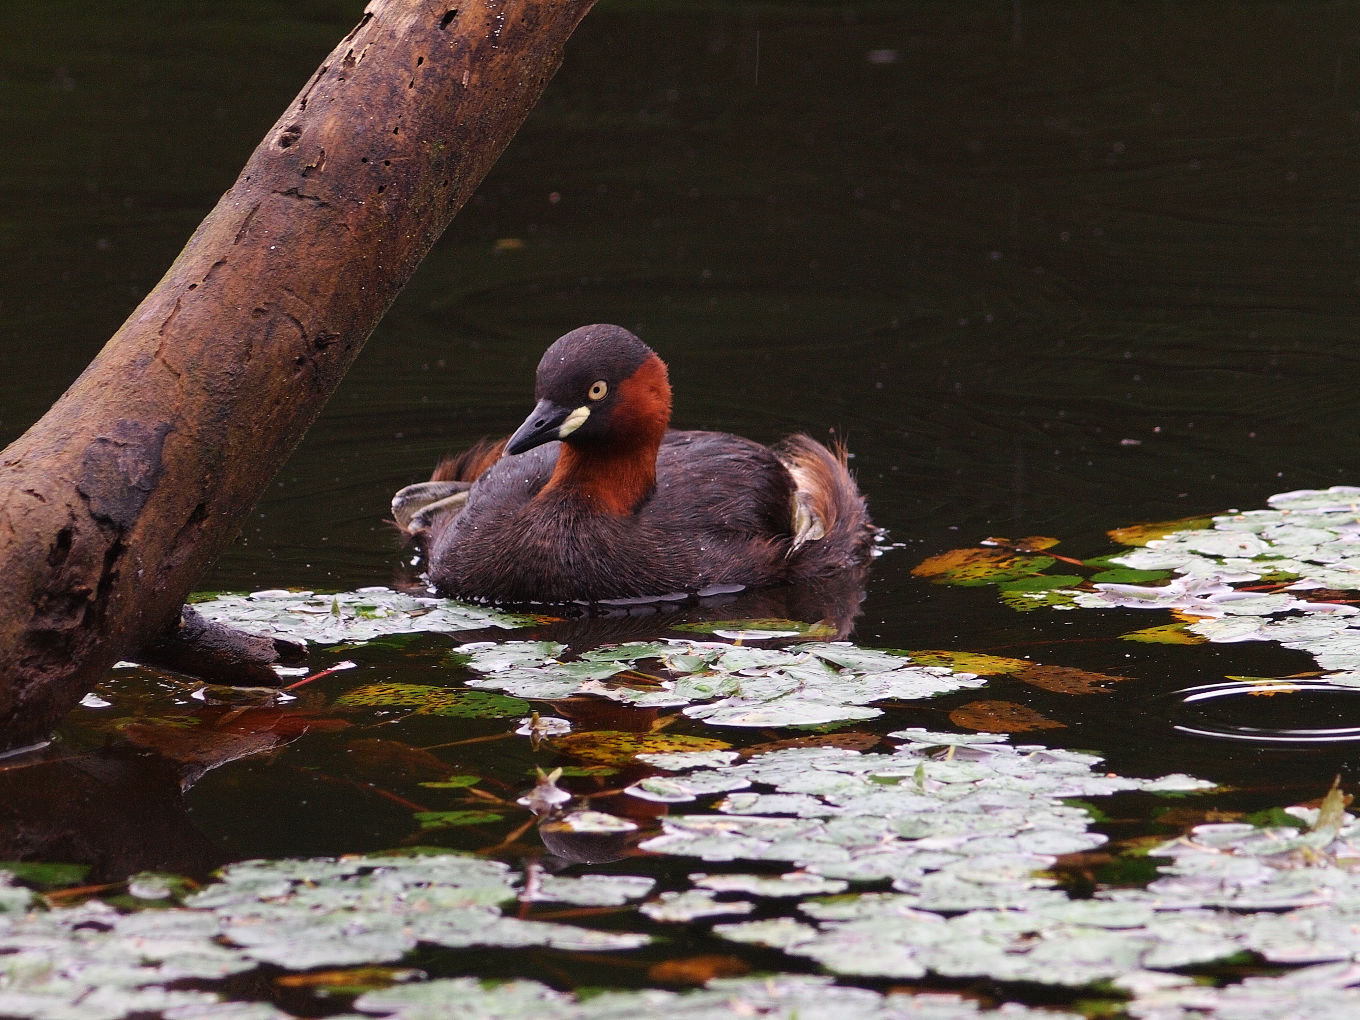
1051,267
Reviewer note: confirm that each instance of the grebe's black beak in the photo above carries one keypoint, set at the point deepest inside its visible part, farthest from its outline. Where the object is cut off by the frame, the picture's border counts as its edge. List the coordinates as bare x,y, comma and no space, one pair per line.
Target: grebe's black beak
547,422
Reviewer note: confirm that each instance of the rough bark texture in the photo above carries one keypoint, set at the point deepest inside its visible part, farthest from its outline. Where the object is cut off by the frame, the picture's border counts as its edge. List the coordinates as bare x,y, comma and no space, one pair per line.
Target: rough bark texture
117,501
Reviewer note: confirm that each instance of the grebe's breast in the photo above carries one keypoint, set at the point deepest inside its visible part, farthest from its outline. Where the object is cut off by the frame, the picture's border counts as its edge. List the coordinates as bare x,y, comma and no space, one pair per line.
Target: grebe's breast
720,514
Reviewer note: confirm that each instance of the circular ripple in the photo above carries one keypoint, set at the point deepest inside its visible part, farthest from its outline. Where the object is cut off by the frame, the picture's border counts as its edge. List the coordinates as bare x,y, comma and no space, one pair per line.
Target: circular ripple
1270,712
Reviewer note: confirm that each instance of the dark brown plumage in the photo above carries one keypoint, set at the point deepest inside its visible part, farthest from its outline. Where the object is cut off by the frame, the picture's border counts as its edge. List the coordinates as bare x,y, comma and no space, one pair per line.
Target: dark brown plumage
621,507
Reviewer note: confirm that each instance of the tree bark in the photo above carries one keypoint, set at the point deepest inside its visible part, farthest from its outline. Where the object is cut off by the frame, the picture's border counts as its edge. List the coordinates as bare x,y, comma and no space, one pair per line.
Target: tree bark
122,495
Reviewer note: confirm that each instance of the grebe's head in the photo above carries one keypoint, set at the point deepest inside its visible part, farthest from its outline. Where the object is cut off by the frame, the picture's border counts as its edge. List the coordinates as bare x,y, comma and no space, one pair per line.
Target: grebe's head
598,386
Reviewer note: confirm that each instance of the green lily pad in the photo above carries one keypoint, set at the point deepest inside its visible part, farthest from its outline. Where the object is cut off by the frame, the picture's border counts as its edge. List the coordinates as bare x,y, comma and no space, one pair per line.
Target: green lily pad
451,702
46,875
448,819
1129,575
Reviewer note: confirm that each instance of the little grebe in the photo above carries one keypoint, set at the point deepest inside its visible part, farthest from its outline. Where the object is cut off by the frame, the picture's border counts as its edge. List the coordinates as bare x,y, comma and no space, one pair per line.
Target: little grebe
623,507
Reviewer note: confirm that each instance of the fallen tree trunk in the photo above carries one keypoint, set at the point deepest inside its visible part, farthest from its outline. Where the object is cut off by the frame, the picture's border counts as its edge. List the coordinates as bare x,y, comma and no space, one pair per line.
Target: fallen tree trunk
120,498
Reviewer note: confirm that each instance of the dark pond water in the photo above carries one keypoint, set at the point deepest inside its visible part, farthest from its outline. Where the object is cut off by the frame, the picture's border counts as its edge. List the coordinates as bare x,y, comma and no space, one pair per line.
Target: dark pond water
1051,267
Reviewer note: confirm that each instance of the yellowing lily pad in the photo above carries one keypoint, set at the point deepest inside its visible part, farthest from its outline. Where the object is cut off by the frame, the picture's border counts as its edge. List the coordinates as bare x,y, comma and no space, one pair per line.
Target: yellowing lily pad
425,699
1029,544
1024,598
974,567
1166,634
970,662
1142,534
614,747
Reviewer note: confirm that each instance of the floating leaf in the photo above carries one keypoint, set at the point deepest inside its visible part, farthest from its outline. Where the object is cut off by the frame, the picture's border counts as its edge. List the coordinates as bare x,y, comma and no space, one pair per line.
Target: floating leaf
448,819
697,970
1040,583
1026,599
348,617
972,567
450,702
1142,534
970,662
790,710
349,981
791,883
588,890
853,739
1001,717
615,747
44,875
758,629
157,885
1166,634
454,783
1066,680
1129,575
1029,544
691,905
677,760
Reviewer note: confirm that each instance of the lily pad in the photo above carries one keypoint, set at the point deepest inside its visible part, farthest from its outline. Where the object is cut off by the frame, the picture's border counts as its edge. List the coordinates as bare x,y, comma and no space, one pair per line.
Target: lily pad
446,819
422,699
971,567
1303,548
1166,634
52,875
691,905
341,617
615,747
757,630
1142,534
588,890
1001,716
971,662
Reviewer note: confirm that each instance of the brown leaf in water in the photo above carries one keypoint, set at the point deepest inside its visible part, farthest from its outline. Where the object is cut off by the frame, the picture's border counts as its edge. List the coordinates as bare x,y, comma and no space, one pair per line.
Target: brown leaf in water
350,979
1001,717
1186,817
851,740
697,970
1066,680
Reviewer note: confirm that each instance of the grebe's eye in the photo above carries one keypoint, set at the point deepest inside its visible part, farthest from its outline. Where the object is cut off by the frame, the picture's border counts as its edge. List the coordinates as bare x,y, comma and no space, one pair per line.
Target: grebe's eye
598,389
